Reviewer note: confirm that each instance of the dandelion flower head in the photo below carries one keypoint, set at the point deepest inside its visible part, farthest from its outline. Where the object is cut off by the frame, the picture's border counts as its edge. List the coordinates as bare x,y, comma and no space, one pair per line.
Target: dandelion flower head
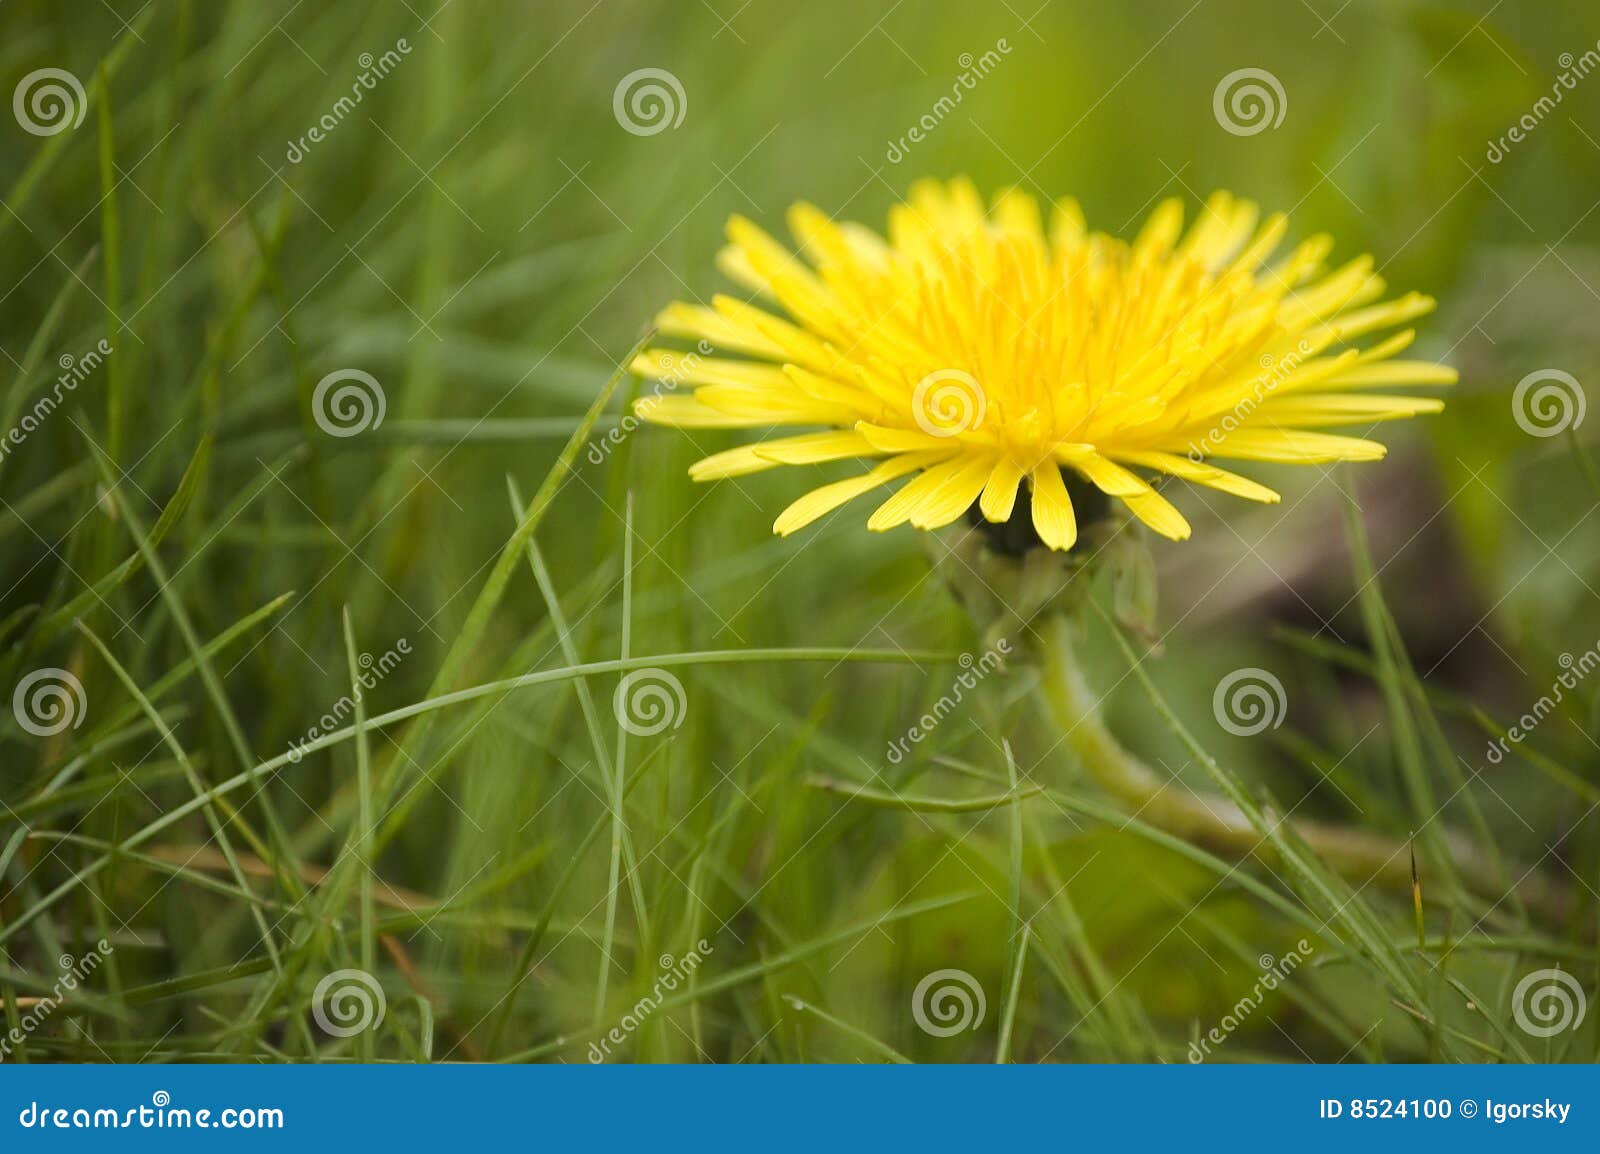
975,351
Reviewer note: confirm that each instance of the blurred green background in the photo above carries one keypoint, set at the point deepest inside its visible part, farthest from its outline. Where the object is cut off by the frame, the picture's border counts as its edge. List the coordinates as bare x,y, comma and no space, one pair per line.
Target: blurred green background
484,237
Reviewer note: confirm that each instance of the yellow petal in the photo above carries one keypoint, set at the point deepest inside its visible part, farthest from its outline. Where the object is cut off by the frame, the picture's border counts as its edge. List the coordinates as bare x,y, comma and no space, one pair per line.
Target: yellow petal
829,389
810,448
1067,225
730,463
955,496
1052,508
1265,242
1160,514
822,501
773,406
734,263
685,413
1223,226
788,342
1143,501
1161,230
768,261
1202,474
699,323
1302,410
1346,287
1304,262
891,440
1396,373
1384,316
897,509
802,449
1000,493
1107,476
1295,447
1017,212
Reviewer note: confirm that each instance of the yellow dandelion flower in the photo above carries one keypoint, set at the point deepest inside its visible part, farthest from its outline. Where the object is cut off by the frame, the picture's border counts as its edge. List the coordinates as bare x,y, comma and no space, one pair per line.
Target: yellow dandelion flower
972,351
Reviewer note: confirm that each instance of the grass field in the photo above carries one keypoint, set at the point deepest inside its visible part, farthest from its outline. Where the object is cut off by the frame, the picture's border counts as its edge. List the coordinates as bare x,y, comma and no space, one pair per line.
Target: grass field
382,690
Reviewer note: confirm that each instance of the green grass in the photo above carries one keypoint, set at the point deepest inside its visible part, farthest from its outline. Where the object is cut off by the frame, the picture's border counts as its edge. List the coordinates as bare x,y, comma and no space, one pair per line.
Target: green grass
476,829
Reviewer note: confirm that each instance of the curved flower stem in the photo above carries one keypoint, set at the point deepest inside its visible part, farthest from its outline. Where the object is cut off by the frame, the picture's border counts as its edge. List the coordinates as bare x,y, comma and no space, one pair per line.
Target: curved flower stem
1215,823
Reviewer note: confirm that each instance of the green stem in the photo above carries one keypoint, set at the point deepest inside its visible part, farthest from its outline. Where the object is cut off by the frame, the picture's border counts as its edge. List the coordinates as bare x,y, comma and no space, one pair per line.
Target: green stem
1212,821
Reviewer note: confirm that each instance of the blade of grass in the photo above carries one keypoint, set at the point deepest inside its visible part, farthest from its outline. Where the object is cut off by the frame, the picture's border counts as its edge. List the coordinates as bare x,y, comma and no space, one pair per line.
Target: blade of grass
1008,1014
919,803
881,1048
447,700
611,776
525,960
757,970
1341,905
493,590
43,334
287,877
202,796
618,822
22,190
361,839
